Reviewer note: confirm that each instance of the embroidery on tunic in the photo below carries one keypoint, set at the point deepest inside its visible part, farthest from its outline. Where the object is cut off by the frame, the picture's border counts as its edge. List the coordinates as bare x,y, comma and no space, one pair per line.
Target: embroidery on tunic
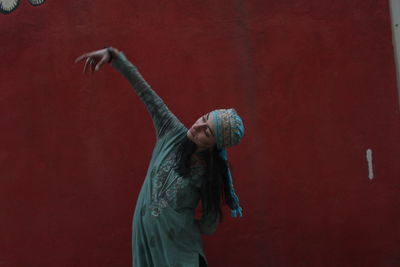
164,190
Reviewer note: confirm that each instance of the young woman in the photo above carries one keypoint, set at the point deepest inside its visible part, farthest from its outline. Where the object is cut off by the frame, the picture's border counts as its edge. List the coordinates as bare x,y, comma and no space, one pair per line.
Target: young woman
186,166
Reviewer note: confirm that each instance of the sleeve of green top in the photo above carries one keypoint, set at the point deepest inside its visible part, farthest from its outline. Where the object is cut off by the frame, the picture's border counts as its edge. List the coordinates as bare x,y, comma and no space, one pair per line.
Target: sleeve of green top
163,119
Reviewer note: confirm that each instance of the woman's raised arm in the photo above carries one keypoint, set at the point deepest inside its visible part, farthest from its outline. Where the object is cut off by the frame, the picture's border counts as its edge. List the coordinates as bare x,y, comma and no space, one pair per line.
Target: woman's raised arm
163,119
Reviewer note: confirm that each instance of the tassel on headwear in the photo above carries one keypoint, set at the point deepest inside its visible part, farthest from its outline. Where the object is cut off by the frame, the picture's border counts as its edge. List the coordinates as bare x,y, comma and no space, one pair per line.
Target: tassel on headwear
229,130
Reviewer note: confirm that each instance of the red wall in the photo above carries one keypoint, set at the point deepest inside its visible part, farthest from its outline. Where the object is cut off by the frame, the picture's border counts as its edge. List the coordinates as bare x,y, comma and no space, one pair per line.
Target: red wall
313,80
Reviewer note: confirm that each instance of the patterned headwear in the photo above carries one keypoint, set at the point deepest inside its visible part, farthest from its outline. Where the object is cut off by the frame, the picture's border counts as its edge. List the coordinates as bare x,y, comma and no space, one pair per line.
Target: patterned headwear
228,127
228,131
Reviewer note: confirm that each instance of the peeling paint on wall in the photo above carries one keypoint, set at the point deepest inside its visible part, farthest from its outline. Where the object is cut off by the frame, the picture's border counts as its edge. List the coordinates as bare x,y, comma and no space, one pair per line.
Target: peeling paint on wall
369,160
8,6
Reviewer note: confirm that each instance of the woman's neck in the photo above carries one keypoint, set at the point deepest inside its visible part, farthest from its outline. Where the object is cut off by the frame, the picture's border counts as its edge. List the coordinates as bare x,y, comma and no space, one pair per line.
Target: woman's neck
199,157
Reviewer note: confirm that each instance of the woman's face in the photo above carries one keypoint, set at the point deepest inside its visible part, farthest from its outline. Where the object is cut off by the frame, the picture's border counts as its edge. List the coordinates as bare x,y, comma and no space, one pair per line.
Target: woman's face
202,132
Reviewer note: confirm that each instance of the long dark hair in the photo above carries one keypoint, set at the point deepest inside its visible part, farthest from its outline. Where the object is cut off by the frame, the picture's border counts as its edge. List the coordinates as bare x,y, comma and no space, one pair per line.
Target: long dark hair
216,182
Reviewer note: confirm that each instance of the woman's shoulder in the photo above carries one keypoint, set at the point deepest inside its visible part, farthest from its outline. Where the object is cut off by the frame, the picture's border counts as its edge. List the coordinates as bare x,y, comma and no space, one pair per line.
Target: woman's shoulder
172,139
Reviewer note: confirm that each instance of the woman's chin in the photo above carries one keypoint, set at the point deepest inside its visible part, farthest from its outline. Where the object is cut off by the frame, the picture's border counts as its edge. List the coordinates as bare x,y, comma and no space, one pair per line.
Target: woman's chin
190,136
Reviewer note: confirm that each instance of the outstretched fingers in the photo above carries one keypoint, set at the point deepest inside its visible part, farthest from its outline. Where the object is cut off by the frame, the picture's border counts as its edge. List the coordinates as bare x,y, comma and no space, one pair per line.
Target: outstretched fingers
94,60
82,57
87,64
100,63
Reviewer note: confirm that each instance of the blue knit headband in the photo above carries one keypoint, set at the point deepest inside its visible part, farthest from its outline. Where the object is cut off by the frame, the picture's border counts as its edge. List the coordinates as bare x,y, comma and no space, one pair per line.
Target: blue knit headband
229,130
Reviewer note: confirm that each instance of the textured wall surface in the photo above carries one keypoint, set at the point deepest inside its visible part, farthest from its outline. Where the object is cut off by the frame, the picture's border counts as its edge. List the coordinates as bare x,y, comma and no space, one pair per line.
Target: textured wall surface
314,82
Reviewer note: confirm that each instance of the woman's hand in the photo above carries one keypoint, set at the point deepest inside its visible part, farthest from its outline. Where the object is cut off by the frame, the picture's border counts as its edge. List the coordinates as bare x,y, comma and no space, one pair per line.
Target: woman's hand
96,59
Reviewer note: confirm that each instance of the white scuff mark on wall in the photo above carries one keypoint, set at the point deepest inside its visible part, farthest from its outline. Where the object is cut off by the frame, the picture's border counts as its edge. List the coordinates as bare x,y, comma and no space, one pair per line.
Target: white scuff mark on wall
370,167
395,16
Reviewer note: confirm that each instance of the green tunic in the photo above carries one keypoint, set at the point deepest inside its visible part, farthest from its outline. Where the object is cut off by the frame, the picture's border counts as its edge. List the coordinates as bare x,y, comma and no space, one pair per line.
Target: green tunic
165,232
